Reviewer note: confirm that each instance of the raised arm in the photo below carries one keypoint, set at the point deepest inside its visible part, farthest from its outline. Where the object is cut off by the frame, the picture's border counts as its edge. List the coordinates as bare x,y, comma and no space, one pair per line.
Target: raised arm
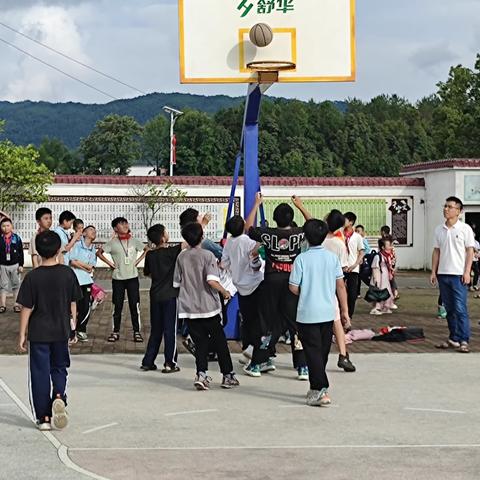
250,220
297,201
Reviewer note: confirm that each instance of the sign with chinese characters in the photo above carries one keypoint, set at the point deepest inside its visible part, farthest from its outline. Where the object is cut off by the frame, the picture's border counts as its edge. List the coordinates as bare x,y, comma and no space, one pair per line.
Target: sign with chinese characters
318,36
400,208
100,211
472,188
265,7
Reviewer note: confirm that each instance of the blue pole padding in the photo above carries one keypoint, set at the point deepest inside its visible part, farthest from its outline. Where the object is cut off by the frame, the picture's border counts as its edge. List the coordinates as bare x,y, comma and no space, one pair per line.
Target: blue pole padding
236,174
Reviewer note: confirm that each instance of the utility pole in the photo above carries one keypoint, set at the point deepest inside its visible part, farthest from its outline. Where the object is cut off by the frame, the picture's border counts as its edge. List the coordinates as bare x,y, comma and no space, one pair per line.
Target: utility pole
174,114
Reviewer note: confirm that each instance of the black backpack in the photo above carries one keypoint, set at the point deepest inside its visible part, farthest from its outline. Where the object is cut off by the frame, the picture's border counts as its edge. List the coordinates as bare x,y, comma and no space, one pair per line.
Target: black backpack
366,267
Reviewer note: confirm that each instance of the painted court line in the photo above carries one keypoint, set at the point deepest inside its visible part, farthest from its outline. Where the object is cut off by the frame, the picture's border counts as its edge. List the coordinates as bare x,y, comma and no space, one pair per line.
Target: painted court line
101,427
62,450
191,412
436,410
304,406
281,447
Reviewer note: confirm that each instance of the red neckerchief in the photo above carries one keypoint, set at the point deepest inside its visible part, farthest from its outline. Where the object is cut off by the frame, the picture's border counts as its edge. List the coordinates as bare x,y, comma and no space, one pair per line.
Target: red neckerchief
127,236
8,241
348,236
388,257
339,234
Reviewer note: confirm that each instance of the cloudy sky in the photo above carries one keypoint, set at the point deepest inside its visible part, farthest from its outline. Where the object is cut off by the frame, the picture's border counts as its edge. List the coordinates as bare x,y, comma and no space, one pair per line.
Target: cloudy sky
404,47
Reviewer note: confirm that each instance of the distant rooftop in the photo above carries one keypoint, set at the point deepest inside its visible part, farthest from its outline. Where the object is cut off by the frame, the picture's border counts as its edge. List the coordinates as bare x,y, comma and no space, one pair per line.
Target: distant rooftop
226,181
441,164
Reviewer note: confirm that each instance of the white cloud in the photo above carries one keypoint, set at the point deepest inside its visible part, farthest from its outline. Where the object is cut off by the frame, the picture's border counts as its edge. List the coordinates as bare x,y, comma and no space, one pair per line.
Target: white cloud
55,27
403,47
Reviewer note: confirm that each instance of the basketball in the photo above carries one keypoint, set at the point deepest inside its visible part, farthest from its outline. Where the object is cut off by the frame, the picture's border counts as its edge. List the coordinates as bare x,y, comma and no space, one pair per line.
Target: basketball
261,35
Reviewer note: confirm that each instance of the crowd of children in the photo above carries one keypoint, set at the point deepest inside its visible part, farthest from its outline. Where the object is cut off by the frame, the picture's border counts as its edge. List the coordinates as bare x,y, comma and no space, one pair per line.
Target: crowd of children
274,270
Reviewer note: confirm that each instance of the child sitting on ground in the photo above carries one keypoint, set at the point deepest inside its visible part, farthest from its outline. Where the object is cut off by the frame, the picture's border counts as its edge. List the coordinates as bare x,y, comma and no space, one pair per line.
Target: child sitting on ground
48,295
197,276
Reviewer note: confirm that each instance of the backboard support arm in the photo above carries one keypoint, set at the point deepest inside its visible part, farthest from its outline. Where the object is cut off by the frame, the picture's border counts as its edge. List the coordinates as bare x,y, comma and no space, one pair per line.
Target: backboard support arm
249,149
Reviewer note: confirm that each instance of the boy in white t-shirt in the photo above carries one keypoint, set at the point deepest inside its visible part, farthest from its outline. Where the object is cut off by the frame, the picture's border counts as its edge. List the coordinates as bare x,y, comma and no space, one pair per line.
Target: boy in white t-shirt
244,265
356,252
335,244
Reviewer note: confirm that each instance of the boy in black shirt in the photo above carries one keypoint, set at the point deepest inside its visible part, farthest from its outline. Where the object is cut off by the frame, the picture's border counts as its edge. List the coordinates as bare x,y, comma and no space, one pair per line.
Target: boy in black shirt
278,306
48,295
160,265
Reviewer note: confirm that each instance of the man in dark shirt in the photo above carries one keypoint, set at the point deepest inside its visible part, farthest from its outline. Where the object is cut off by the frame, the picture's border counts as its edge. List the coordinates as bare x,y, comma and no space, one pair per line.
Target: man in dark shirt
278,306
160,265
48,296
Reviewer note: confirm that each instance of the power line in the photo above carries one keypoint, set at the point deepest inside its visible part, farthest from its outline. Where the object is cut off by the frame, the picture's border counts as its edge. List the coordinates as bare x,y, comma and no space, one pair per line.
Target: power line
78,62
58,70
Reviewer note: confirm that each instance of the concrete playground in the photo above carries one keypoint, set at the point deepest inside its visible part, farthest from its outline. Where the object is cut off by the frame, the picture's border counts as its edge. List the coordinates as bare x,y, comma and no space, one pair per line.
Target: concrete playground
400,416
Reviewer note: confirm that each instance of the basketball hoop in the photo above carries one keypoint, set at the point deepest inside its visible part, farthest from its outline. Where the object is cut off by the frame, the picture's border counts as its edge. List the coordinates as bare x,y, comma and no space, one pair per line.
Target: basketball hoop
268,69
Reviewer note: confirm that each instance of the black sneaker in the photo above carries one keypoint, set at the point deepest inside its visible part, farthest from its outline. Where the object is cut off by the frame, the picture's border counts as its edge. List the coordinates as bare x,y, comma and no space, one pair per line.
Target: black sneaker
147,368
345,363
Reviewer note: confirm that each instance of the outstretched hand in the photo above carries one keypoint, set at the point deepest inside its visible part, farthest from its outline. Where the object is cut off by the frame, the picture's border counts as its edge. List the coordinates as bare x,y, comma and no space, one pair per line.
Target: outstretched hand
297,201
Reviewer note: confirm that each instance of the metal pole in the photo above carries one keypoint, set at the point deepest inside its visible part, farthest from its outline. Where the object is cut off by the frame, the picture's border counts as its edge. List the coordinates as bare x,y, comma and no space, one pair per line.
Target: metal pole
172,121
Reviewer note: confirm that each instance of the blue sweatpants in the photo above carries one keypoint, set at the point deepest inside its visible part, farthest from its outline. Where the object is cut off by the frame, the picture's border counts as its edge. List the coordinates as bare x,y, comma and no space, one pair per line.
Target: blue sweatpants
163,320
48,363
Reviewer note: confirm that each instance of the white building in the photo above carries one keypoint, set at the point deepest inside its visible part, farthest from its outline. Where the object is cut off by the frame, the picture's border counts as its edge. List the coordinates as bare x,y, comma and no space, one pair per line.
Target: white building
410,204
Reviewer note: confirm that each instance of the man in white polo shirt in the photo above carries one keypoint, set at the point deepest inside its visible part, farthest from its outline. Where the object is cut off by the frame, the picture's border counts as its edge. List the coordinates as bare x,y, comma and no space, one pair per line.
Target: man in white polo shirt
452,258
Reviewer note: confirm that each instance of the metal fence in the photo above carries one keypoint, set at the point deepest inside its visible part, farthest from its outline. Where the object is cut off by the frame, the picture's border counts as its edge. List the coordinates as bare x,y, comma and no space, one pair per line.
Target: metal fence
371,212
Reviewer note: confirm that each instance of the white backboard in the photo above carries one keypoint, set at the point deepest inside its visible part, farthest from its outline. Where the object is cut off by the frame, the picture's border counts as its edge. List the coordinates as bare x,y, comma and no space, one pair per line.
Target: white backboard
317,35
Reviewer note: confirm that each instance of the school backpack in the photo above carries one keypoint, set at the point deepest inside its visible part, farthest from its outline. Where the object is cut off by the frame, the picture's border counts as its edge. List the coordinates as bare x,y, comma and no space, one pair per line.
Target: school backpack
366,267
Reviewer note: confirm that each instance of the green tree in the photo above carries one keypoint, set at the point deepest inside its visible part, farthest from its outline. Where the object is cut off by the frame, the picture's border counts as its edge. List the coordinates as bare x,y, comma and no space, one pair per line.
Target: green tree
156,143
152,198
58,158
203,148
113,146
22,180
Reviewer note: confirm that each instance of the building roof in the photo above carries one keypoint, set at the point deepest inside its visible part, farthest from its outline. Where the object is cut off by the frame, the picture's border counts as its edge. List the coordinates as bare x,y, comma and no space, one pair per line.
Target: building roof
442,164
227,181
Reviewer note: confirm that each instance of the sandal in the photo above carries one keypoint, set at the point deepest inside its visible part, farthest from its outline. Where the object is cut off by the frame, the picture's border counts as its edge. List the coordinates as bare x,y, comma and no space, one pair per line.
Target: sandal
3,309
137,337
17,308
114,337
448,344
463,348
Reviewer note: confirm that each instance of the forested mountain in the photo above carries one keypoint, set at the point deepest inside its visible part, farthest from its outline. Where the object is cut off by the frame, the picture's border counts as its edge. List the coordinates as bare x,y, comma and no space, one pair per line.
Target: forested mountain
358,138
30,122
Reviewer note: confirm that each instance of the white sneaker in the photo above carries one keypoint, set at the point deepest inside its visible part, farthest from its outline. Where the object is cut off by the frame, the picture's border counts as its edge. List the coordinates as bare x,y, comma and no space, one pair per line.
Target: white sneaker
59,414
375,311
44,425
243,360
248,352
394,307
386,310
